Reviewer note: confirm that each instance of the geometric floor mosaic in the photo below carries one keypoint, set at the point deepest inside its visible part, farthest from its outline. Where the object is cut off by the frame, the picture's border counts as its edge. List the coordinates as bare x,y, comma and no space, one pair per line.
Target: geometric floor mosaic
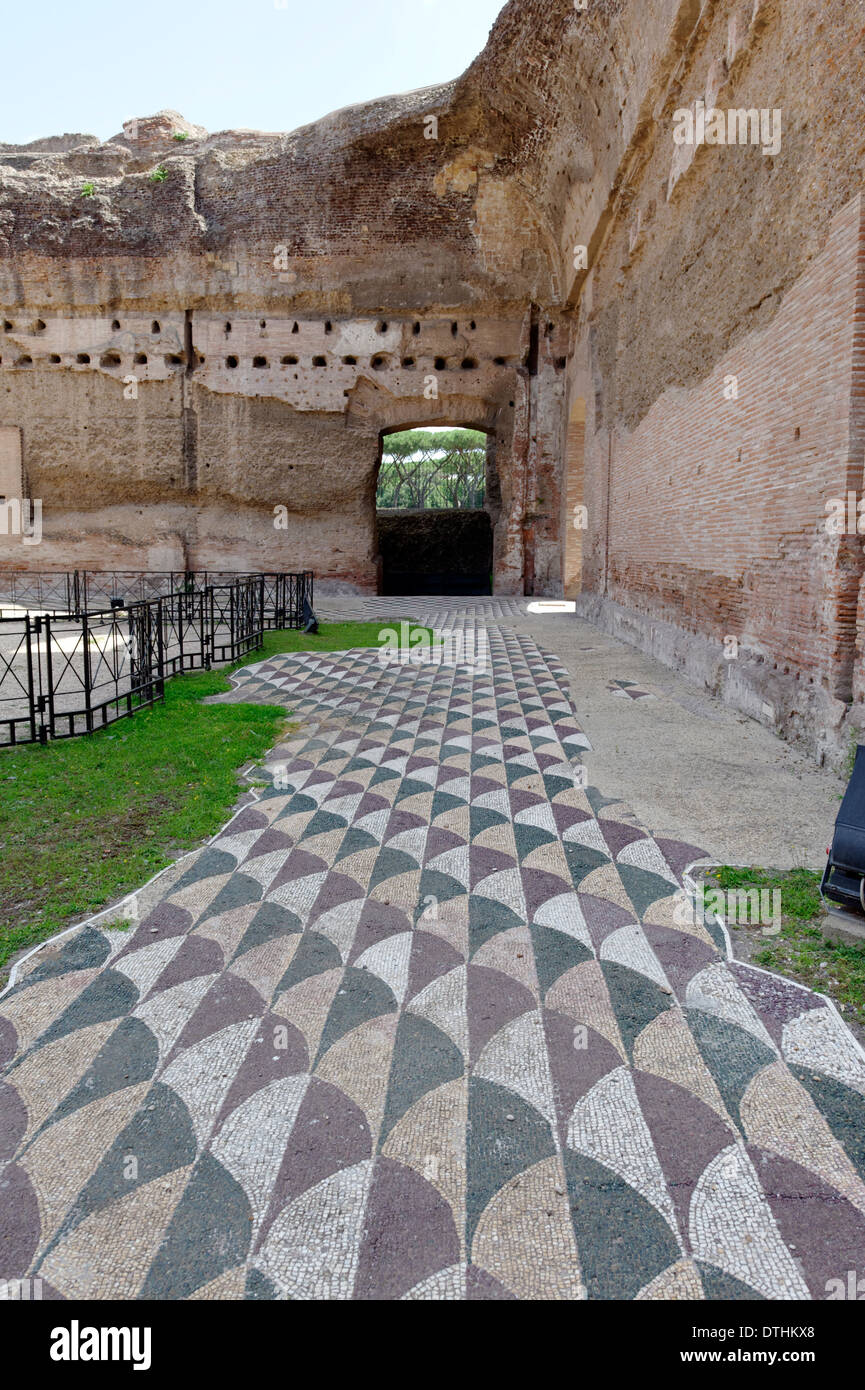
629,690
422,1022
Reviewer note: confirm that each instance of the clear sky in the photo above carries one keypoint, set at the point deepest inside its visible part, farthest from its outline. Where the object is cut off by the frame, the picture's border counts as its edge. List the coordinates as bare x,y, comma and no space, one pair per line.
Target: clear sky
90,65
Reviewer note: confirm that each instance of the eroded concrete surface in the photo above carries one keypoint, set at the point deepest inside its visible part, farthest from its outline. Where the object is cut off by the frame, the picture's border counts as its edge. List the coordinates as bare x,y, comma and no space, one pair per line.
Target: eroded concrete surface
689,764
423,1022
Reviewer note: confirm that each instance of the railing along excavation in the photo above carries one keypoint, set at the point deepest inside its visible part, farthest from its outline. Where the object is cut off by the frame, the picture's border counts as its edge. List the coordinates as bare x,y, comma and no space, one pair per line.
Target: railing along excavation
79,651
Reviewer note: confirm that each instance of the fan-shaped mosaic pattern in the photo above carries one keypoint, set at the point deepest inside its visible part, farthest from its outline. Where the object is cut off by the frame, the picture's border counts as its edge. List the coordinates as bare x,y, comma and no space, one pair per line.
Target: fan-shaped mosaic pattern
421,1024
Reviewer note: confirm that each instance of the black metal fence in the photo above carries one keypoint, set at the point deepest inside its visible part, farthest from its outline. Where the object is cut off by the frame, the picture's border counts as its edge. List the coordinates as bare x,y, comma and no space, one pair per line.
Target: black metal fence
68,670
87,591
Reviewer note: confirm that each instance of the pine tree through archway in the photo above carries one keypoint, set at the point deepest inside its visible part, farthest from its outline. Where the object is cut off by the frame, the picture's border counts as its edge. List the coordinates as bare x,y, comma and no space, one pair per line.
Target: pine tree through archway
435,535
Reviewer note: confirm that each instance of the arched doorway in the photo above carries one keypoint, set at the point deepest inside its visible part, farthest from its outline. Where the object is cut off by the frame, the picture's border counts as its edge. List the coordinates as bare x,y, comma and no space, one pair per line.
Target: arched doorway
434,499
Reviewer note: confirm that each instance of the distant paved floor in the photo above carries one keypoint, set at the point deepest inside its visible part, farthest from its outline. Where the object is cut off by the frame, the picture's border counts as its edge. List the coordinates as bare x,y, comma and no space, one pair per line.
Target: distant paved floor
421,1023
686,763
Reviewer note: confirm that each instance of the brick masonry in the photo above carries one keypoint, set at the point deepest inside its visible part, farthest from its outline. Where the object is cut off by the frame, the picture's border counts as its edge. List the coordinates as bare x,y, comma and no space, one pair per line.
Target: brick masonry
295,295
718,505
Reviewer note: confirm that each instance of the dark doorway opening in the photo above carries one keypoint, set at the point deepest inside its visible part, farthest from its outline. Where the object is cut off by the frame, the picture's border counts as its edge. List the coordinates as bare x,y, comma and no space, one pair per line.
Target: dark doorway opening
435,552
435,533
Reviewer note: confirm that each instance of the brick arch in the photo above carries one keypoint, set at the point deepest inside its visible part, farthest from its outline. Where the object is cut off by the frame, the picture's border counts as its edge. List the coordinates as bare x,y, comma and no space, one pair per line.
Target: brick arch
377,410
374,412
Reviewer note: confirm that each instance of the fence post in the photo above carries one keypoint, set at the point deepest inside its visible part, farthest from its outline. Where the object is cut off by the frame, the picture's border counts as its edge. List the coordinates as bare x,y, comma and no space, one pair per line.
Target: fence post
88,675
31,702
160,652
73,593
207,628
179,605
45,733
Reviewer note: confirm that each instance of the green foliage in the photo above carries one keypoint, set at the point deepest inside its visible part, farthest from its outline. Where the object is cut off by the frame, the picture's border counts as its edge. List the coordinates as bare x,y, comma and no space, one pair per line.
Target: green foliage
424,471
409,441
180,135
87,190
84,821
159,175
831,967
802,952
800,888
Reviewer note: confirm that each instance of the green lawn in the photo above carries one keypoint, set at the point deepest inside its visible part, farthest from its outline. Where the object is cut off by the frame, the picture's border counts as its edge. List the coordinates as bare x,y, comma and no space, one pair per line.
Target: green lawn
802,952
86,820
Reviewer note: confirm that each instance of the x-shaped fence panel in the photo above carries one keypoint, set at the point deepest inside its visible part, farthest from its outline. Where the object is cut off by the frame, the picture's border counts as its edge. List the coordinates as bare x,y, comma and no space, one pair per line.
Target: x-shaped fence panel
71,670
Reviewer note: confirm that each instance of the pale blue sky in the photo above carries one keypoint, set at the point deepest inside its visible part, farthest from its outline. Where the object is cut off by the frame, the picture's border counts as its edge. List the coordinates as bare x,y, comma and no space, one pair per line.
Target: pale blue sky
89,65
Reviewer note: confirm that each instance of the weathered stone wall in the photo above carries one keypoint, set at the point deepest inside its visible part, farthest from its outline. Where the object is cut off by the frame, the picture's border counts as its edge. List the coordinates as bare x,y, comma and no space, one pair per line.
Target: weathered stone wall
280,301
418,260
425,252
235,439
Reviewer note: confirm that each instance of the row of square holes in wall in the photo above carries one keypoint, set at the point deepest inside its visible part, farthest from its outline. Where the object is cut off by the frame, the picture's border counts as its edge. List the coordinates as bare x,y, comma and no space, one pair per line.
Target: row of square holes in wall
378,364
108,359
173,360
381,327
39,327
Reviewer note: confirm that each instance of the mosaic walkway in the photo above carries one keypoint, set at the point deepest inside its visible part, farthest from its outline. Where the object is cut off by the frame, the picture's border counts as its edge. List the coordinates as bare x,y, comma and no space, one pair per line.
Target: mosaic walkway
424,1022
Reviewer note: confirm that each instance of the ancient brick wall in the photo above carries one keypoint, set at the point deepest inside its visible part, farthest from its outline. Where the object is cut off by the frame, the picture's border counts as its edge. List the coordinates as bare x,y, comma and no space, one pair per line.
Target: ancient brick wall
575,511
486,253
714,263
718,500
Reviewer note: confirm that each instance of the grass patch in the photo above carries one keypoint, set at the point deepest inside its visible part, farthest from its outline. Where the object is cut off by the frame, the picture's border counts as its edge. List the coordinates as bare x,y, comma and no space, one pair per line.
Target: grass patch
801,952
332,637
84,821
